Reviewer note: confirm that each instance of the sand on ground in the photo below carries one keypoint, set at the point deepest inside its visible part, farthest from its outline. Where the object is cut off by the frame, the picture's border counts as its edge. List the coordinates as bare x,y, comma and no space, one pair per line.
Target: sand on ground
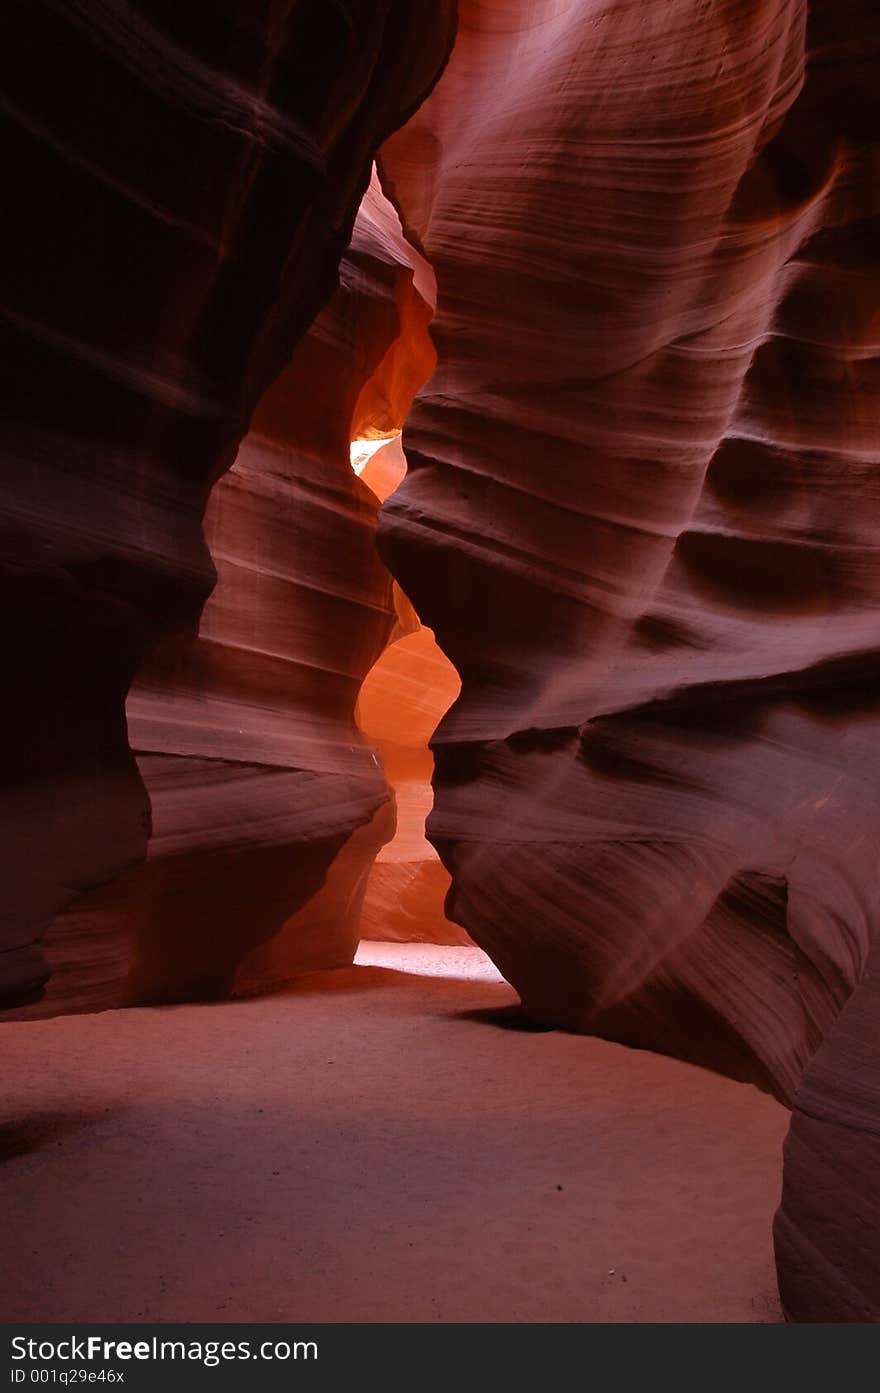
380,1143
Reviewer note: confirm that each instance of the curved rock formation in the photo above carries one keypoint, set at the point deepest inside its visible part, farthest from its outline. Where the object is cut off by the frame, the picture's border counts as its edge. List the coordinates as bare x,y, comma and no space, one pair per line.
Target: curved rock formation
640,517
186,191
403,698
268,806
827,1226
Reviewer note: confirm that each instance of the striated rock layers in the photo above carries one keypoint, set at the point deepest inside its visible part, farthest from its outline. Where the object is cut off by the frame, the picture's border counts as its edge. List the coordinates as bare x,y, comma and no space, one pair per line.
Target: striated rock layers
404,697
268,806
185,191
641,517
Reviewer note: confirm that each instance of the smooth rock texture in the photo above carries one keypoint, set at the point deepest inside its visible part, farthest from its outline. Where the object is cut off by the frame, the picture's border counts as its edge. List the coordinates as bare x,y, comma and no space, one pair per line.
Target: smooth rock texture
641,518
268,805
827,1226
401,702
185,190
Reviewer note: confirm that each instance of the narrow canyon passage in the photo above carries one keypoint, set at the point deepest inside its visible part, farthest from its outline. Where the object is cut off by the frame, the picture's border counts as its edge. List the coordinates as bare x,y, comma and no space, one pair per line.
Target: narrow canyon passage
402,701
285,742
440,578
378,1145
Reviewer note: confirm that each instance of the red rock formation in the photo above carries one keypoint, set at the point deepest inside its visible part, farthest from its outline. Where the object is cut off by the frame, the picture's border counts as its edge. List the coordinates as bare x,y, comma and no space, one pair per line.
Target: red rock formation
185,190
640,516
827,1227
268,806
401,703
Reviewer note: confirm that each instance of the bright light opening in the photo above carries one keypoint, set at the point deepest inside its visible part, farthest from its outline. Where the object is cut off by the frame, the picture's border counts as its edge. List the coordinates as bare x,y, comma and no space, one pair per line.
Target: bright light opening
363,450
464,964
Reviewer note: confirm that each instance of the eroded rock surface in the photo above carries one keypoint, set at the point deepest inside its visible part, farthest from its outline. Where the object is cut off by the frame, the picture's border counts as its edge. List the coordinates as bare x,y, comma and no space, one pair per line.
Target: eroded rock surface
641,517
402,701
268,804
186,191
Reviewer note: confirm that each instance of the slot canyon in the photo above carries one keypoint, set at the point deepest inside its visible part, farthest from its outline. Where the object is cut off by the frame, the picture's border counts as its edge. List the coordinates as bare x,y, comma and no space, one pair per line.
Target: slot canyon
440,555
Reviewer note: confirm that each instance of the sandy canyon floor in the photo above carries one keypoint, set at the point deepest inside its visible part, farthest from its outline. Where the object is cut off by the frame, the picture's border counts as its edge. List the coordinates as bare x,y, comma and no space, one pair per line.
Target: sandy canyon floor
380,1143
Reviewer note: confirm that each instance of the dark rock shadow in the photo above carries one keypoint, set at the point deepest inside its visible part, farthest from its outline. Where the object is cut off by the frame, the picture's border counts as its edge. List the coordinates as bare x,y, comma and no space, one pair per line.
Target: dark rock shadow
506,1017
22,1135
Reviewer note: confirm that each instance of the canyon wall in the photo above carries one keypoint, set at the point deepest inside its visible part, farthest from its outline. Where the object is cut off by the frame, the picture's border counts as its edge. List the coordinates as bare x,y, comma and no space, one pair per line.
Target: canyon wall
184,193
268,805
641,517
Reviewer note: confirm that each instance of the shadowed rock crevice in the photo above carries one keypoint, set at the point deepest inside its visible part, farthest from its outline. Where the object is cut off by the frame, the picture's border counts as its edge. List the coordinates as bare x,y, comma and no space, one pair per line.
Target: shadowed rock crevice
209,178
639,515
269,805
